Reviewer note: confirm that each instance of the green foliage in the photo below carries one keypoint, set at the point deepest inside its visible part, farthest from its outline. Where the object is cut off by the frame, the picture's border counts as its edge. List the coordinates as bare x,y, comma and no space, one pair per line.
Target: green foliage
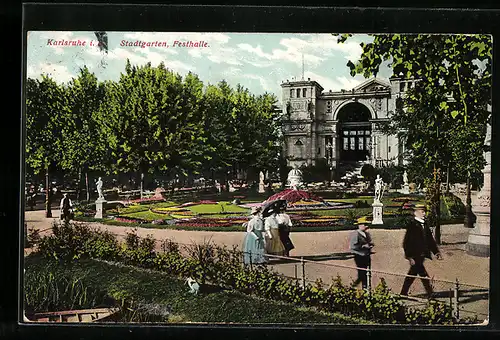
48,290
454,205
212,264
443,117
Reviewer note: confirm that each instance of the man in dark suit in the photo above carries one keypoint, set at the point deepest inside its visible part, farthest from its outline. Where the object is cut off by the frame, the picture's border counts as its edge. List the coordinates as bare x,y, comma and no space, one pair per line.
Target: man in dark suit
418,244
361,246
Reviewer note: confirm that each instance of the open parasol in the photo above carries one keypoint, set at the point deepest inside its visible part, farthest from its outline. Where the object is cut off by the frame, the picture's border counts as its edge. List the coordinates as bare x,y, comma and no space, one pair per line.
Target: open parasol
272,205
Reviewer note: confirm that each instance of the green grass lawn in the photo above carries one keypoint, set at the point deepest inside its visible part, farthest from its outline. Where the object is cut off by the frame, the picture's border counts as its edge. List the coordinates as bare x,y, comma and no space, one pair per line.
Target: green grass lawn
147,286
148,215
217,208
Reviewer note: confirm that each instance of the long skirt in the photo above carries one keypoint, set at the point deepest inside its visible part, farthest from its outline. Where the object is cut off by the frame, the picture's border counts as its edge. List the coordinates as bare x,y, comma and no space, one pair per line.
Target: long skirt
274,246
253,248
284,232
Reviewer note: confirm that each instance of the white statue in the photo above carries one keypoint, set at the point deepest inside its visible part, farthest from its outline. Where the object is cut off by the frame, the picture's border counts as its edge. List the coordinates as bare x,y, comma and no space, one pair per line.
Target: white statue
379,183
99,189
261,177
405,178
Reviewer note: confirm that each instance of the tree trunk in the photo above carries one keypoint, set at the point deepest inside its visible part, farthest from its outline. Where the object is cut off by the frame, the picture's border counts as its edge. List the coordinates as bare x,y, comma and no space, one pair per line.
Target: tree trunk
48,210
468,222
78,186
438,214
87,186
448,179
437,232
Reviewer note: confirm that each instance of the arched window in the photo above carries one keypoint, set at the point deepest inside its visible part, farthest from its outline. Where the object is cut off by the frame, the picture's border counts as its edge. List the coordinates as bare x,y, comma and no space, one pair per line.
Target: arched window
304,92
298,93
291,93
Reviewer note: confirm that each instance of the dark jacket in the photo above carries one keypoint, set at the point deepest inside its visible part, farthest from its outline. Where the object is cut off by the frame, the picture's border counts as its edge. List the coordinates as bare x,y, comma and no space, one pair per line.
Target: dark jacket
419,241
357,241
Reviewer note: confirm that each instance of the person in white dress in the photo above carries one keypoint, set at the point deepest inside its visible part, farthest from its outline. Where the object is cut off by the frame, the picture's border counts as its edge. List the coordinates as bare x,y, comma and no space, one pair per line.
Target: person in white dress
274,246
254,242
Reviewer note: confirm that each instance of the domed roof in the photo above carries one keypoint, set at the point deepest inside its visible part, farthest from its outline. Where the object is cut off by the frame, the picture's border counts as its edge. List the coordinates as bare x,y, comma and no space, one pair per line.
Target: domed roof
295,172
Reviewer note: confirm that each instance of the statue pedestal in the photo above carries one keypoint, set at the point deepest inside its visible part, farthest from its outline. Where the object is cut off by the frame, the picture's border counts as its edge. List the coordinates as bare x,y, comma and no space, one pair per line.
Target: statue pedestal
405,189
100,208
377,213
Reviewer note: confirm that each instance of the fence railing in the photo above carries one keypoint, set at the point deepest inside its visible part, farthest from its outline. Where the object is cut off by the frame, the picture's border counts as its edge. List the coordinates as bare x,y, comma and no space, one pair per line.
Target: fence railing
463,298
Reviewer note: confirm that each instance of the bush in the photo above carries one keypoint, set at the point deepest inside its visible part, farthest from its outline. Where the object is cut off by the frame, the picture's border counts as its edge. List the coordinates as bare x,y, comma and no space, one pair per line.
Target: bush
454,205
213,264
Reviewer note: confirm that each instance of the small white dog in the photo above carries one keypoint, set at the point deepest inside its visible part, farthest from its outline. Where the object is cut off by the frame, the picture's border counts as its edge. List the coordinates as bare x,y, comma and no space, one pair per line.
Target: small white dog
193,285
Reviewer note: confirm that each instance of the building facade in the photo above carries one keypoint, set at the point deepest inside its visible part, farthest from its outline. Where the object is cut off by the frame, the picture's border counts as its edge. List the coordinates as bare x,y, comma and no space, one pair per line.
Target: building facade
341,127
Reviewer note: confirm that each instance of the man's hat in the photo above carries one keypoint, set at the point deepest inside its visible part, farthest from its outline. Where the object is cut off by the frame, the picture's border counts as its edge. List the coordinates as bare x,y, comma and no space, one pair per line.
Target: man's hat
415,206
363,220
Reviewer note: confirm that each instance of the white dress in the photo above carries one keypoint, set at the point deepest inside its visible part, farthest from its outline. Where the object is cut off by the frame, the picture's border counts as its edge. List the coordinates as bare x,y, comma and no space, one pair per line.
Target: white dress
254,242
274,246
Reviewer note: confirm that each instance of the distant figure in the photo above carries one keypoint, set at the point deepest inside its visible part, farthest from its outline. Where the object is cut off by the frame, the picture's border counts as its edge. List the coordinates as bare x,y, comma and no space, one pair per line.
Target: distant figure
284,225
361,246
66,207
273,241
254,243
99,189
418,244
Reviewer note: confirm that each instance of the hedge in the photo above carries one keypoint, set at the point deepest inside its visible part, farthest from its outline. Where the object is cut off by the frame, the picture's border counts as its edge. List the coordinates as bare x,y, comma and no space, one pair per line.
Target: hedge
213,264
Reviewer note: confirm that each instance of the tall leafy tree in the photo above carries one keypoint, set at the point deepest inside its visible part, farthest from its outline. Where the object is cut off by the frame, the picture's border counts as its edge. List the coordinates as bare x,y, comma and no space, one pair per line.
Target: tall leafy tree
47,113
85,146
454,73
159,126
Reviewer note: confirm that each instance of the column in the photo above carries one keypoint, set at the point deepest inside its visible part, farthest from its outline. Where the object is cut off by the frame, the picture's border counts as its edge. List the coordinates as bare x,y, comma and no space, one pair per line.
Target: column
478,243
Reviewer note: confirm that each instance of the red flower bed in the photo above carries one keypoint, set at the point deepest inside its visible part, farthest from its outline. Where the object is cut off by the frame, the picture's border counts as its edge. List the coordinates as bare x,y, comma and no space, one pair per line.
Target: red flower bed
149,200
206,202
292,196
129,220
209,222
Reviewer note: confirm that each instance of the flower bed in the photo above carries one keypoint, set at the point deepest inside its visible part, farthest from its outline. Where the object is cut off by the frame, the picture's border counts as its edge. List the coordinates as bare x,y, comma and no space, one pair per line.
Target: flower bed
147,200
211,222
172,210
322,207
125,219
293,196
405,199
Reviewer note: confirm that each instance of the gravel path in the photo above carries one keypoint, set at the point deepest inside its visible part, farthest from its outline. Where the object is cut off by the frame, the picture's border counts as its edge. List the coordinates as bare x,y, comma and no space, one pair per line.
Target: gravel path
331,248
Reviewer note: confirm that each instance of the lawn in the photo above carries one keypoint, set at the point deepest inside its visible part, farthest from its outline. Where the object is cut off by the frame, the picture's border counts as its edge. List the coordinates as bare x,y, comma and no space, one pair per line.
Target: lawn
221,207
156,288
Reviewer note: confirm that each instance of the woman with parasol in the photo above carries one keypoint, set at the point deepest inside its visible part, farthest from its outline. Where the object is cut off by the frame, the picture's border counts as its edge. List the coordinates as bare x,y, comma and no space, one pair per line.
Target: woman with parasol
274,246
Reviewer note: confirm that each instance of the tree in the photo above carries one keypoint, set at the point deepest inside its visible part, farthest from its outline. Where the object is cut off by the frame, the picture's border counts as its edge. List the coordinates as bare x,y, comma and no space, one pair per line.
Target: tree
85,146
47,113
454,80
159,122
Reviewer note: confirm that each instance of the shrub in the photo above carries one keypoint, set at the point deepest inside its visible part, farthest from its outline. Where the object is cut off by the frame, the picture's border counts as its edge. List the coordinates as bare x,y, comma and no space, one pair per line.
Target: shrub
454,205
213,264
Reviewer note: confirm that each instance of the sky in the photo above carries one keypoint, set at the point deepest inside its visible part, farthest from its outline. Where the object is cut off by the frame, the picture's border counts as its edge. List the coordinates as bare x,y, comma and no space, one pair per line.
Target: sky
258,61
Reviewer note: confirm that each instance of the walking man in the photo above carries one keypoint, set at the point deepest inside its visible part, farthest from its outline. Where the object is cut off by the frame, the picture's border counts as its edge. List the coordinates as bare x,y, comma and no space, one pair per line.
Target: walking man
418,244
66,207
361,246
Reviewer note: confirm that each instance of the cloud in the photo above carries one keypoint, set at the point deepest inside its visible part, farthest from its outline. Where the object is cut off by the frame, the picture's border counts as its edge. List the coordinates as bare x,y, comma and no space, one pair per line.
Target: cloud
337,84
59,73
313,48
263,81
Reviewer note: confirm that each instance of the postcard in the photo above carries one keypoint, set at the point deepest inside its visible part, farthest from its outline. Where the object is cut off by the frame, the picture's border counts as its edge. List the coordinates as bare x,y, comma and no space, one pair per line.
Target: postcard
257,178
